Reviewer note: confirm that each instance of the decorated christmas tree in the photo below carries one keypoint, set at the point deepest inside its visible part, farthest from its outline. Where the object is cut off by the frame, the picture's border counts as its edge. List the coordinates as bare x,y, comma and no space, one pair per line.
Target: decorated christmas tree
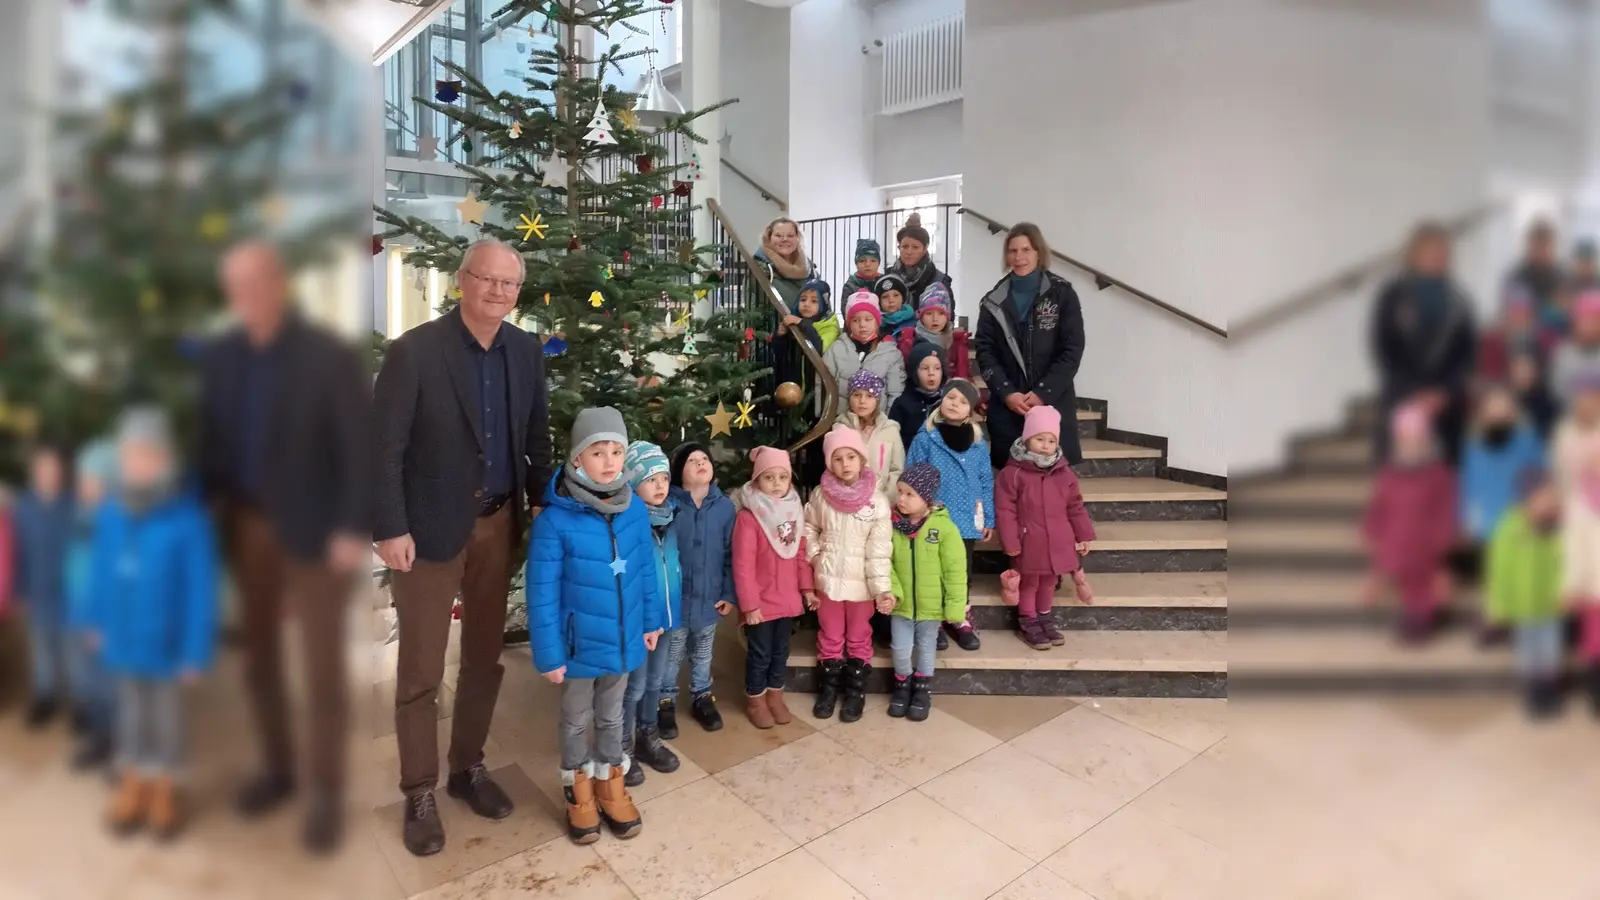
597,197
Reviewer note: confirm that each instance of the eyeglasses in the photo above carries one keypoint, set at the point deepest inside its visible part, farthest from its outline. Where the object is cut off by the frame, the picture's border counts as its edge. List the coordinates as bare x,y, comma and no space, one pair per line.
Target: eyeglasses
507,285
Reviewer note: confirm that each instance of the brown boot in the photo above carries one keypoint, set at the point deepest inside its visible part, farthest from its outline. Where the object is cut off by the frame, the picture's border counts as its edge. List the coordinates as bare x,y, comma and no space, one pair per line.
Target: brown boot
127,810
780,712
616,807
583,816
758,710
166,818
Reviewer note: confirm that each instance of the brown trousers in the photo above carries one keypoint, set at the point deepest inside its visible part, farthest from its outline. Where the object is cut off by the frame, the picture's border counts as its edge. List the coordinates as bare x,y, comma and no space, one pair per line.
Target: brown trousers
314,593
423,598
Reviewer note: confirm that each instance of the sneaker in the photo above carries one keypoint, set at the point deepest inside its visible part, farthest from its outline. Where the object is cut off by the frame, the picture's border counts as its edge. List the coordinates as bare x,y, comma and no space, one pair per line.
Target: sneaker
900,698
478,789
1032,633
423,833
265,793
705,712
648,749
667,720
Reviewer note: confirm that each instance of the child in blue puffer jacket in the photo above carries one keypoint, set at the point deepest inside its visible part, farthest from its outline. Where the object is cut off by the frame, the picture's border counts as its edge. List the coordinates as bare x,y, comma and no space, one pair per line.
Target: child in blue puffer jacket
151,605
91,688
704,522
595,612
648,473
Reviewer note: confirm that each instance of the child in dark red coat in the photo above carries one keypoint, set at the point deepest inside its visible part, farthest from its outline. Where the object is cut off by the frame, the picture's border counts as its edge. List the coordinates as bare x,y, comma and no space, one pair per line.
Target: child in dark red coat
770,576
1411,523
1043,524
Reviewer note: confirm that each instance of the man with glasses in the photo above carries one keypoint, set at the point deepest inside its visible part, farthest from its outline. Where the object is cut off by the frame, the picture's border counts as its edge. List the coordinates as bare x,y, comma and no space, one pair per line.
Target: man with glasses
463,436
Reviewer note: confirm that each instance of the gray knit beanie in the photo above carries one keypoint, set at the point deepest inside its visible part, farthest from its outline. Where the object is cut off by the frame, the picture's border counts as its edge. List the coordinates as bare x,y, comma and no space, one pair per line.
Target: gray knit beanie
965,388
596,424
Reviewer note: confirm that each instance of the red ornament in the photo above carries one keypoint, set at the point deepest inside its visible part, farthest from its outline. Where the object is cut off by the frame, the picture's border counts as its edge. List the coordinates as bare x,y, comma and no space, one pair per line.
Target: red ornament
644,163
656,201
573,245
747,345
626,257
682,188
377,244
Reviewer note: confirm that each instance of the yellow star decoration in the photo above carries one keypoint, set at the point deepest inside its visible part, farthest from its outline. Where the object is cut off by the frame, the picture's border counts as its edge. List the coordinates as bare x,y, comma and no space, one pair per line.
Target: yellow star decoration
701,294
214,226
719,421
597,299
149,300
533,226
472,209
629,119
745,409
683,320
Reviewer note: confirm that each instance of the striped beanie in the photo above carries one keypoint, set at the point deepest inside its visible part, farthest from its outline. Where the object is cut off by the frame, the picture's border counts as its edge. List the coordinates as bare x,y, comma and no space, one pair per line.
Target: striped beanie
642,461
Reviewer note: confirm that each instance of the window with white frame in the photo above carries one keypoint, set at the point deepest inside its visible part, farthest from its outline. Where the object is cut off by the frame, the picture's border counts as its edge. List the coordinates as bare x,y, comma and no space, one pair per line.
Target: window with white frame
924,203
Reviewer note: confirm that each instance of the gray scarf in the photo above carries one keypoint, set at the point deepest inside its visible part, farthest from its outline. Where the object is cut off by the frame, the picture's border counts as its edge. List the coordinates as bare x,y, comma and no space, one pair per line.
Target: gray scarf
605,499
1021,453
940,339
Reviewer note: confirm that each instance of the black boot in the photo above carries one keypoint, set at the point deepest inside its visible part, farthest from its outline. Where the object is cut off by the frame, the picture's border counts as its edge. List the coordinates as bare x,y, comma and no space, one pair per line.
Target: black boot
92,752
942,642
901,698
648,749
263,794
635,776
829,671
667,720
921,699
1544,698
855,690
705,712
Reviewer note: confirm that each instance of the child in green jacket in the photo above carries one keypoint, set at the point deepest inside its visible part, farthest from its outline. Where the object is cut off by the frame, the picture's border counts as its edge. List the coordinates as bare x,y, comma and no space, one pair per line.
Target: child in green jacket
1524,589
929,580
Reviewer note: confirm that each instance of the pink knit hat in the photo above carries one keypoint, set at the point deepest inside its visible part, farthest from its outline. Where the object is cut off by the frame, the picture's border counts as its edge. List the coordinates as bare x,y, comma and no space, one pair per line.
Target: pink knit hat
862,301
1411,421
1587,305
842,437
1041,420
765,459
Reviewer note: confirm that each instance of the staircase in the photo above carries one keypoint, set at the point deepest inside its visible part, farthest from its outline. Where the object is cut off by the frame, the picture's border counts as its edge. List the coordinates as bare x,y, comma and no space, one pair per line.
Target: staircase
1301,625
1158,627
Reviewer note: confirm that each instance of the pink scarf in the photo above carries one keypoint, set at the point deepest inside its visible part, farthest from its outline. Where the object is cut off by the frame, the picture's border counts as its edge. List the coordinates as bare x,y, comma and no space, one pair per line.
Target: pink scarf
780,518
849,498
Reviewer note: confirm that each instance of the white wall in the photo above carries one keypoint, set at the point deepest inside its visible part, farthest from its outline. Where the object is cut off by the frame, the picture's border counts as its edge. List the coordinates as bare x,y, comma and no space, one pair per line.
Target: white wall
830,157
755,69
921,145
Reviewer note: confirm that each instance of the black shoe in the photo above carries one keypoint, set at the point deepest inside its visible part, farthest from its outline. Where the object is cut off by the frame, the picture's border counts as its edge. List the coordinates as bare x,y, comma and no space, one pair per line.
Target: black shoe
264,794
901,698
424,833
41,712
705,712
855,690
921,700
634,776
942,642
324,825
648,749
1544,698
829,672
667,720
92,752
966,637
481,793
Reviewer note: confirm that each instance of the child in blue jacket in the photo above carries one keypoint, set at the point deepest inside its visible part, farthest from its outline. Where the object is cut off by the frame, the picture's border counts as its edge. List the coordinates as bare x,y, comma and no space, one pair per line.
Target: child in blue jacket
42,525
954,443
1498,450
91,688
648,473
595,612
704,522
151,605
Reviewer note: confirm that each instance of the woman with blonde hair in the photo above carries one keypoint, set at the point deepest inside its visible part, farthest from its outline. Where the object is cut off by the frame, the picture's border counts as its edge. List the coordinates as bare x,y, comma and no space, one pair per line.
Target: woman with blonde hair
784,259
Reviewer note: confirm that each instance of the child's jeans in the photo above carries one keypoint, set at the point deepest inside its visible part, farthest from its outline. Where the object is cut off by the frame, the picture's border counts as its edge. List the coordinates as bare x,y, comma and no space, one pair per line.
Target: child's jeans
642,701
910,639
766,655
1036,595
91,686
1539,647
697,644
149,726
844,627
47,652
591,721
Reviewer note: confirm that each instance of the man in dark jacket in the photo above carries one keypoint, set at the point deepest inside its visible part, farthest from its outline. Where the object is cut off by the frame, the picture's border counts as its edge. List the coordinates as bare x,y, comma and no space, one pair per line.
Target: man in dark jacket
1030,342
285,460
463,438
1539,273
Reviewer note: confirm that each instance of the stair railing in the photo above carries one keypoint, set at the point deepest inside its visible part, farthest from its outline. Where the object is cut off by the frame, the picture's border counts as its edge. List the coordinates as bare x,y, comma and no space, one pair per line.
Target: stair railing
761,189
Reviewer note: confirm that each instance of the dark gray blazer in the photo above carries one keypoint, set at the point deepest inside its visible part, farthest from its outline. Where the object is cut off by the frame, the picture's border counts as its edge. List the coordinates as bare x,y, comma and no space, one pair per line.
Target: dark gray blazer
430,461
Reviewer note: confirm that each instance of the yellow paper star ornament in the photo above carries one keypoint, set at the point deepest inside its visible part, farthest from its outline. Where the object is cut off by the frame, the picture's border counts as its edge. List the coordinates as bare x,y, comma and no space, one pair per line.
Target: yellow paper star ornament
214,226
629,119
745,409
719,421
533,226
472,209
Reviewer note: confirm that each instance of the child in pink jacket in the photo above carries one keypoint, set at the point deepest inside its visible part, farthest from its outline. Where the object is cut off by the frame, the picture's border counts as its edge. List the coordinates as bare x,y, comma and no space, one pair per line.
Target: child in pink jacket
1043,523
1411,522
770,575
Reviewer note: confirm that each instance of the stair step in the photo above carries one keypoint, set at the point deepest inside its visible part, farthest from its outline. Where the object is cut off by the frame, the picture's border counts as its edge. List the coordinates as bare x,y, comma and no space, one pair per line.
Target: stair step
1308,497
1299,545
1365,661
1109,459
1181,546
1092,663
1145,499
1334,455
1095,448
1132,601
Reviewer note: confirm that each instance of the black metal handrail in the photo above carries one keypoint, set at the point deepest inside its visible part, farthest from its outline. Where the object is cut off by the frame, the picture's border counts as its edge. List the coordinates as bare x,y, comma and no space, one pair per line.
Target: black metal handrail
1103,280
830,242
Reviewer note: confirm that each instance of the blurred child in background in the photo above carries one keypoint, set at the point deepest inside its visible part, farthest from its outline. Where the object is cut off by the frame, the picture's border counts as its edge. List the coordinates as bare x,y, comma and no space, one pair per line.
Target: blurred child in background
1579,354
1411,523
1518,333
1576,456
91,688
1500,445
152,608
1523,578
1585,274
42,519
869,263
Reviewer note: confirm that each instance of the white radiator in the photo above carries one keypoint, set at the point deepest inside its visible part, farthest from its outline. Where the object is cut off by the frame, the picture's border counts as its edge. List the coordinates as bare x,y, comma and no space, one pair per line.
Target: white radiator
922,65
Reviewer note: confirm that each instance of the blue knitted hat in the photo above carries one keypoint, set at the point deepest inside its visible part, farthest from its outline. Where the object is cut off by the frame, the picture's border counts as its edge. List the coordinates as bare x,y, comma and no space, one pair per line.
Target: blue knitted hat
643,460
824,296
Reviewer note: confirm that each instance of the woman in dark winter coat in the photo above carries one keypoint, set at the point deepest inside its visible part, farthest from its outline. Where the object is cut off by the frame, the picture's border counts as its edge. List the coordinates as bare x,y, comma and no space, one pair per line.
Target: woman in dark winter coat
1424,341
914,265
1030,342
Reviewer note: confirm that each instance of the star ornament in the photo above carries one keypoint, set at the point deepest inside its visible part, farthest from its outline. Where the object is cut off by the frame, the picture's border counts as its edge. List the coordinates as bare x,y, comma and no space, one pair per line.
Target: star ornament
629,119
556,170
619,566
720,420
472,209
745,409
533,226
683,320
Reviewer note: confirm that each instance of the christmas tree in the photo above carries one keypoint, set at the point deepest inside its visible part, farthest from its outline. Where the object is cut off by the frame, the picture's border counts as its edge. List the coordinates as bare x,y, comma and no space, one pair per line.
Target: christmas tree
633,313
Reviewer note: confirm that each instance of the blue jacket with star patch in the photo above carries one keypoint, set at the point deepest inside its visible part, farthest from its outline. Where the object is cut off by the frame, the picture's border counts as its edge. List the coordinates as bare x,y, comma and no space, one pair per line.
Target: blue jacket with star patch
593,587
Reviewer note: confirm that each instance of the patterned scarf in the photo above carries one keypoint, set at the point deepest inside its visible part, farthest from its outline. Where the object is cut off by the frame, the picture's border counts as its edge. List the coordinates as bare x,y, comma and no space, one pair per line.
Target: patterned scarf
940,339
605,499
850,498
917,277
907,527
661,516
1021,453
780,518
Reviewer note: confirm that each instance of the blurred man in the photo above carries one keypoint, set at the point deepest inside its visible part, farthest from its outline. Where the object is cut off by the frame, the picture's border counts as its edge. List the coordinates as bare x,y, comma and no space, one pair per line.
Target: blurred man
285,458
1540,274
463,437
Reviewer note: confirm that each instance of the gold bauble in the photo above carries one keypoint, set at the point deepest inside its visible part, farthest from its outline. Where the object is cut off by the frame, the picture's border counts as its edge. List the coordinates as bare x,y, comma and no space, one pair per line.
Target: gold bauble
788,395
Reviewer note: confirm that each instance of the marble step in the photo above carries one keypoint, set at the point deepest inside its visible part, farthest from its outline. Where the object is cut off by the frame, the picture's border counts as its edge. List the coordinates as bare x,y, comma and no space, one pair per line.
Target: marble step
1133,601
1327,497
1151,500
1365,662
1109,459
1296,546
1192,546
1333,456
1305,601
1092,663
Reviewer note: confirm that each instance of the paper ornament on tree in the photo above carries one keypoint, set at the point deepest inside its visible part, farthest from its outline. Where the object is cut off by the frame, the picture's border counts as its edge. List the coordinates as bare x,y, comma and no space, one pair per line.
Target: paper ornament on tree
446,91
688,346
515,130
743,421
533,226
719,420
472,209
599,126
597,299
644,164
629,119
682,188
555,170
656,201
